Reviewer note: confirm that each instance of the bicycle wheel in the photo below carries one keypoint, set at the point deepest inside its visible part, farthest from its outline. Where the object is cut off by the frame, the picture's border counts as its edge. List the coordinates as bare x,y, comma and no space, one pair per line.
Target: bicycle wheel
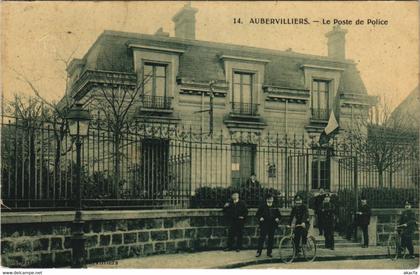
287,249
392,247
309,249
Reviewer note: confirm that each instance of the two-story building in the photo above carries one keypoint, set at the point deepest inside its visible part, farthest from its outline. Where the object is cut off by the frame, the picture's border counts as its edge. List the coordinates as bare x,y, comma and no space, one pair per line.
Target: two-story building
256,93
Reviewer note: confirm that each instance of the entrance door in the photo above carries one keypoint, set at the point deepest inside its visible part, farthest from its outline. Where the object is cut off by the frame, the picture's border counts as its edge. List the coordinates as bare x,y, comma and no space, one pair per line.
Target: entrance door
306,172
243,162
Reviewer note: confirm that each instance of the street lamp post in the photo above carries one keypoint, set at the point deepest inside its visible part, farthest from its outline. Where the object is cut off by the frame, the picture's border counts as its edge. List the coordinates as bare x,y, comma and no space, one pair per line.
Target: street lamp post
78,122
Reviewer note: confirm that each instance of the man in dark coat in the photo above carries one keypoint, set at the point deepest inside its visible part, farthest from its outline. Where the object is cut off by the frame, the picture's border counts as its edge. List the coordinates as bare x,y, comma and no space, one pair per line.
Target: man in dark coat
252,182
319,200
408,225
236,212
327,213
268,217
363,220
299,219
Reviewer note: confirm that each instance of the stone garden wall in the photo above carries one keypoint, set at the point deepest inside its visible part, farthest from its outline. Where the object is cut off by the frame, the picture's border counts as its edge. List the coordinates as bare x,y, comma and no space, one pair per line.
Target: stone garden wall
43,239
385,220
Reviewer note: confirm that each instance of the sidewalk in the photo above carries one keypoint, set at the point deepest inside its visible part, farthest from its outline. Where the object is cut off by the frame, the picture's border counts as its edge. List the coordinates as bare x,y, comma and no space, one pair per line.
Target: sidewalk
221,259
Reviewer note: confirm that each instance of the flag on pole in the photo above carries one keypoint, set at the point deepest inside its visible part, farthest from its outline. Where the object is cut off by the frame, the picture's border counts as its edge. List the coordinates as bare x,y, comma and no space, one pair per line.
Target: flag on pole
333,122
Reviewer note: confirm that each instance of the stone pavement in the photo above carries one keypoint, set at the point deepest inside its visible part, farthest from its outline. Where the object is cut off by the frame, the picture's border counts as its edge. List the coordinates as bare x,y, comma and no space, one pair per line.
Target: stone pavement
221,259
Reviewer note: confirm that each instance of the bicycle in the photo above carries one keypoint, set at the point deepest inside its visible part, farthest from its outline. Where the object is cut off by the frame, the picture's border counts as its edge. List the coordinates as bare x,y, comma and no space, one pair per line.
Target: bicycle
394,248
288,251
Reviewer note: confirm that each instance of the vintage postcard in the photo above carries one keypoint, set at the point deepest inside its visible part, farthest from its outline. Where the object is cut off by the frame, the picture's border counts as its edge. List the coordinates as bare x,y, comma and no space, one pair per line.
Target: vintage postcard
210,135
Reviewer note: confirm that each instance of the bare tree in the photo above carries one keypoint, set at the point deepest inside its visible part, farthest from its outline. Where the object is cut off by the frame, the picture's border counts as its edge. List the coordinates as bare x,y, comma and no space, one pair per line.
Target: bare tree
21,137
382,139
115,100
55,114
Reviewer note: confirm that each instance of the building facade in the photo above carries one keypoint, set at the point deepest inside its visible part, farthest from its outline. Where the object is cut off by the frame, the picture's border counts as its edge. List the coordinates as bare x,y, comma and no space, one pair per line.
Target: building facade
242,96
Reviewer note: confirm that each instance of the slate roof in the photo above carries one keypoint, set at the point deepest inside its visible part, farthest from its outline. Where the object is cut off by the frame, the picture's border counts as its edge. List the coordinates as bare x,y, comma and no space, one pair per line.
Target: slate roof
409,109
201,63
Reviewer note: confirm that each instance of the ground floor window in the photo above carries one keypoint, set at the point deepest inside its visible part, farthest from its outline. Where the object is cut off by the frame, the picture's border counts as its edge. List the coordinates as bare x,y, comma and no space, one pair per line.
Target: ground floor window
320,173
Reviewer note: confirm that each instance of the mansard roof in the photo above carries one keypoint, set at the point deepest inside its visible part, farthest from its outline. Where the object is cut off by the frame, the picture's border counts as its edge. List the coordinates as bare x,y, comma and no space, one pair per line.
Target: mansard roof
408,112
200,60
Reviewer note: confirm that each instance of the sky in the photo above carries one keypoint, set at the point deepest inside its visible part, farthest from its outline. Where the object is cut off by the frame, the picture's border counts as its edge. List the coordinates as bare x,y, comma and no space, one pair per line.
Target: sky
36,37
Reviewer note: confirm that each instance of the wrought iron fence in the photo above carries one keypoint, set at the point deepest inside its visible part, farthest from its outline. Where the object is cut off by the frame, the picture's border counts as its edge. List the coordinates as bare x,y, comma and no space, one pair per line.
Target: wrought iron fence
165,166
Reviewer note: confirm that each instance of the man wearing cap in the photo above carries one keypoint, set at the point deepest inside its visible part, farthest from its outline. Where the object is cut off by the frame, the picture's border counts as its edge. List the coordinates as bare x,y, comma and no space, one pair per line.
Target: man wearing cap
327,215
268,217
236,212
363,219
407,224
319,200
299,219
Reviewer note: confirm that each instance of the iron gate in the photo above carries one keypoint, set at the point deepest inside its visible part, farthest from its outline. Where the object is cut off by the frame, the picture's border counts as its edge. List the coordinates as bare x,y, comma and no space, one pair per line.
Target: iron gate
347,194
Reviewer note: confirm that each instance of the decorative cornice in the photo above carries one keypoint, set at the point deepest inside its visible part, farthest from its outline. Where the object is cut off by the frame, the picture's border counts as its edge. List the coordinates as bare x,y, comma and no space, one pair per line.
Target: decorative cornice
238,123
286,94
190,87
349,99
92,78
199,92
310,66
152,48
246,59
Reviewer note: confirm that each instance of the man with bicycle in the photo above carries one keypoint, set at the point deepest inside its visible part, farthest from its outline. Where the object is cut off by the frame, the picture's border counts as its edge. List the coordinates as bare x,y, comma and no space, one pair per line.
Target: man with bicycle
299,220
407,227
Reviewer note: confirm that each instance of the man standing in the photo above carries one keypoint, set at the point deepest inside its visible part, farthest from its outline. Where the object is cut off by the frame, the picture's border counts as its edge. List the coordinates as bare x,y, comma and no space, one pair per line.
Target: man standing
268,217
299,219
327,214
407,224
252,182
236,212
364,214
319,200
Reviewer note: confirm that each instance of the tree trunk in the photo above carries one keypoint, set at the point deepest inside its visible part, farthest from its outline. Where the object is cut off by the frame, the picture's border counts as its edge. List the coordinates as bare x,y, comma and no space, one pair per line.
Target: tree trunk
117,161
57,169
381,178
32,167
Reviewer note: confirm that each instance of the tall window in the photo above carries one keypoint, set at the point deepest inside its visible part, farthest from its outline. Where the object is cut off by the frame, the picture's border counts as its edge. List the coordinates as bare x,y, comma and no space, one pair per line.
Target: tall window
320,99
242,94
154,79
320,173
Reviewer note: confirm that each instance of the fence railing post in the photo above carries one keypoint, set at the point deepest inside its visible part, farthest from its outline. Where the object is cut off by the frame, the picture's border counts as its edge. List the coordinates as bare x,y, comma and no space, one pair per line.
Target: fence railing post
356,191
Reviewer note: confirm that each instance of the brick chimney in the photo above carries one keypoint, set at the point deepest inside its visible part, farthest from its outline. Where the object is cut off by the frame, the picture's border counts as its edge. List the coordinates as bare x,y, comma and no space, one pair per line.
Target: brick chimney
185,22
337,43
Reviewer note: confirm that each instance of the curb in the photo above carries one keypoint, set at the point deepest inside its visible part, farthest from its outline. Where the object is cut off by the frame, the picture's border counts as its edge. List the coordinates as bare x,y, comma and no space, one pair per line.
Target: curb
318,259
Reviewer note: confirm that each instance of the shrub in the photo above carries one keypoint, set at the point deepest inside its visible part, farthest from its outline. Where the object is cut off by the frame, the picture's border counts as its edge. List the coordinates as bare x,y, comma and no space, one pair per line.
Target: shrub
97,186
216,197
380,197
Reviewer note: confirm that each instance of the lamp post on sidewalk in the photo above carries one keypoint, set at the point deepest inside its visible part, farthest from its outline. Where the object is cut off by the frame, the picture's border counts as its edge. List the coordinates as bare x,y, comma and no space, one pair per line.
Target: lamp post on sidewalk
78,122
